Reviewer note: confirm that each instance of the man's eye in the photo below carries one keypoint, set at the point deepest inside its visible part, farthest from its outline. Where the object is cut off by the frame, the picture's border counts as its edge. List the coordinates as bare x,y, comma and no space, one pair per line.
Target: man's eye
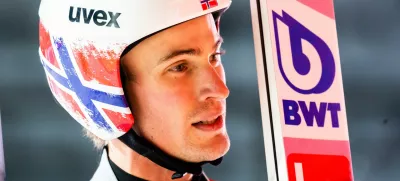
179,68
216,58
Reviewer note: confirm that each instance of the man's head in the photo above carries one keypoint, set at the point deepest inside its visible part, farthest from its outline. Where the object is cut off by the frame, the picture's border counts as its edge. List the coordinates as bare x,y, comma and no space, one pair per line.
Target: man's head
172,90
173,80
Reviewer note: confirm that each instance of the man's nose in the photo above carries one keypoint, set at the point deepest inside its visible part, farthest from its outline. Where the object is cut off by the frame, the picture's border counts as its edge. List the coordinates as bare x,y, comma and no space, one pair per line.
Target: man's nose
212,84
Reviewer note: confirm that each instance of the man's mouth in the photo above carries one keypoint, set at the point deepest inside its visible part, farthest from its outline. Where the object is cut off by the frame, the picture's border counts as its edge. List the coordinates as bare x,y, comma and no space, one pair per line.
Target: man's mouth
210,125
206,122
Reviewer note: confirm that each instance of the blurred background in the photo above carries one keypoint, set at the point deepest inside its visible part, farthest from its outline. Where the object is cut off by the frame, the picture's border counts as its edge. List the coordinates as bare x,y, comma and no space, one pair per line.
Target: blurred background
43,143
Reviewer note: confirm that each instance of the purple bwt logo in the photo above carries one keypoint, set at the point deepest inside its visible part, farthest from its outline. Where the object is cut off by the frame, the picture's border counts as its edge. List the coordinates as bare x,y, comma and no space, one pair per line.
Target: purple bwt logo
312,113
301,62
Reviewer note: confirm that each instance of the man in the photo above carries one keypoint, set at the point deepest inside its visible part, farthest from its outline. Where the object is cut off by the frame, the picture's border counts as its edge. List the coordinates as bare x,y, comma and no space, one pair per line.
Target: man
168,117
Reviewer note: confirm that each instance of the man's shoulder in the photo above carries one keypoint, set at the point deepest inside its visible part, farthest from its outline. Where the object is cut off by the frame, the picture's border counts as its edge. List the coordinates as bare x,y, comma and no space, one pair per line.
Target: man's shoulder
104,171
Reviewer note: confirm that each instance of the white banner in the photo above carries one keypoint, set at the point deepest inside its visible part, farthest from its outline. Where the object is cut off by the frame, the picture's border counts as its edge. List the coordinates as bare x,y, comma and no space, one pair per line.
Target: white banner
301,91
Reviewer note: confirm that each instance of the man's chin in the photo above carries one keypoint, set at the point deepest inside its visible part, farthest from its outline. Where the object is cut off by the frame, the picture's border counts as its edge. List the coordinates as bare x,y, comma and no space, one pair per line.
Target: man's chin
217,150
224,148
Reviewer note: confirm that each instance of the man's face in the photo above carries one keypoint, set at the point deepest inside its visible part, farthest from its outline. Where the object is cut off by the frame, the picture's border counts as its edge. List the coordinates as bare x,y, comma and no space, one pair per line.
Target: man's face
176,87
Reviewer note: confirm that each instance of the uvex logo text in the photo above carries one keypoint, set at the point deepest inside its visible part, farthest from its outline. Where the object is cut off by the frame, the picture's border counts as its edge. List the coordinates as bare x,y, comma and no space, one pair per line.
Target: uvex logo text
100,17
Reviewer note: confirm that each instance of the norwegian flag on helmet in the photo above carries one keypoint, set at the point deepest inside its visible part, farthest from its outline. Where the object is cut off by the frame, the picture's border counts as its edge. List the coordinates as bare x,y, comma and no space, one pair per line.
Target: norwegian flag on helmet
207,4
84,81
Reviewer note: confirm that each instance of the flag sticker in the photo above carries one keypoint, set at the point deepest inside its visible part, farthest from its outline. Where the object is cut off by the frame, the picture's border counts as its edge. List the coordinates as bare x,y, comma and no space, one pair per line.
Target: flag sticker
207,4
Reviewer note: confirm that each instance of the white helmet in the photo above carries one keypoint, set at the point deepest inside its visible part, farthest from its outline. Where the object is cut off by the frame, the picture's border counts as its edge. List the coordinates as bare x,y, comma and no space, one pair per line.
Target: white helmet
81,42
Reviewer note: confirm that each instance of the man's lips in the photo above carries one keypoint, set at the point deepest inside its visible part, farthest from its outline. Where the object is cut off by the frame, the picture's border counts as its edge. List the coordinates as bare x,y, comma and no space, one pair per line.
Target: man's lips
212,124
208,119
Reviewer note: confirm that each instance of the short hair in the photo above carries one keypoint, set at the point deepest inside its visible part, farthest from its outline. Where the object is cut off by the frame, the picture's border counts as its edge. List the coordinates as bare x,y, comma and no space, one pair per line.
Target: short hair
98,143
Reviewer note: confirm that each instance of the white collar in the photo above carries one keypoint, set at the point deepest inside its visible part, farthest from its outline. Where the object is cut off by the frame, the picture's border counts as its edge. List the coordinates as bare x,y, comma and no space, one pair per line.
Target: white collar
104,172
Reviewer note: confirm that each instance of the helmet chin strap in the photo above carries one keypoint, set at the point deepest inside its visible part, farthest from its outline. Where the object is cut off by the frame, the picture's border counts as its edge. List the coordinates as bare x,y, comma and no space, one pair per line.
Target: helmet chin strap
148,150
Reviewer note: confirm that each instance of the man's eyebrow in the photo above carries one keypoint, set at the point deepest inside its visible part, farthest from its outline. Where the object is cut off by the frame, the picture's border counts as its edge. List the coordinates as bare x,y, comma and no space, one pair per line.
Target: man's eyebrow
189,51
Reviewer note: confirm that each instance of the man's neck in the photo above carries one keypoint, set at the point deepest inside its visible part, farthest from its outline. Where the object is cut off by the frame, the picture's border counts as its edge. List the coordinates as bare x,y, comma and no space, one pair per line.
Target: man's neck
137,165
